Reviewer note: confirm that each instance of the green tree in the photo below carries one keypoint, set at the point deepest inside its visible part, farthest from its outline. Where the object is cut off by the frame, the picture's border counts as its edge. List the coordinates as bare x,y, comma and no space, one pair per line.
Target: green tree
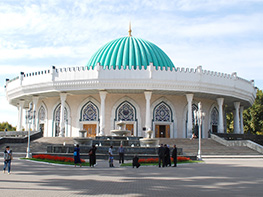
253,116
6,125
230,123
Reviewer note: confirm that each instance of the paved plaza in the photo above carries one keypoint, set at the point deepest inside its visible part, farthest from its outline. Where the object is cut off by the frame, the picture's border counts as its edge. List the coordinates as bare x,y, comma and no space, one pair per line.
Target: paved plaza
214,177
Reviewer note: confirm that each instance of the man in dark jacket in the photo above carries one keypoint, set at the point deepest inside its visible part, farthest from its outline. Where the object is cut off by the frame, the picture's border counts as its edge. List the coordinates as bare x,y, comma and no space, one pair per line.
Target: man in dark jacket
167,160
161,151
174,155
92,156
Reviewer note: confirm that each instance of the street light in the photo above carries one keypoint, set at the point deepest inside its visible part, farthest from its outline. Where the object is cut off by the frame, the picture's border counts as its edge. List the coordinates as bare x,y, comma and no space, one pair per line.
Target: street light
30,116
199,115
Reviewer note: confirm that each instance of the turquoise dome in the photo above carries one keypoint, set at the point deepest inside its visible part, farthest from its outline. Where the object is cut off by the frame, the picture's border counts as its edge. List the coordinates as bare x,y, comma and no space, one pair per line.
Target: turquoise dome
132,53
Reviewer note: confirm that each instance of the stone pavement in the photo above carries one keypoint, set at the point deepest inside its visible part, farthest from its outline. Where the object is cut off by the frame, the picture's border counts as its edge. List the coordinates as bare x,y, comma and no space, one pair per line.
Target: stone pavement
214,177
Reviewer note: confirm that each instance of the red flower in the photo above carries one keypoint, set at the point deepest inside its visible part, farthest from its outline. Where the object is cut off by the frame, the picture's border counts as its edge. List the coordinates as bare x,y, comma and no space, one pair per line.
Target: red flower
56,158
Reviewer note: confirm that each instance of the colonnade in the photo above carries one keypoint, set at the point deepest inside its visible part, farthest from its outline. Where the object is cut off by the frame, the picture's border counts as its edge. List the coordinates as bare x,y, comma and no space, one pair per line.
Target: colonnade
238,117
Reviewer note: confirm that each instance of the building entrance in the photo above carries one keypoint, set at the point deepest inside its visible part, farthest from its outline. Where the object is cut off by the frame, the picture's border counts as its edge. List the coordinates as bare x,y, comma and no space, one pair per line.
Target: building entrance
130,128
91,129
162,131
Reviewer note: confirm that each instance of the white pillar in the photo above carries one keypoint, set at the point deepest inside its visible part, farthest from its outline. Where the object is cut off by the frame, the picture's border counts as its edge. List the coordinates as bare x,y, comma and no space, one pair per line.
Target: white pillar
189,98
20,115
148,96
103,95
236,120
241,120
63,97
220,102
34,122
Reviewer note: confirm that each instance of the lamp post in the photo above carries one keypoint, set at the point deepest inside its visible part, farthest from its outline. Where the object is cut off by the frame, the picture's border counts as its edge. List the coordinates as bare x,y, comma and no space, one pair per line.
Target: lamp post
30,116
198,119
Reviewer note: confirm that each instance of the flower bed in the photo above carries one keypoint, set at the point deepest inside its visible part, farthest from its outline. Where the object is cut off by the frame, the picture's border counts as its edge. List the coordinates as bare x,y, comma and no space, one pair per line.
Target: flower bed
56,158
156,160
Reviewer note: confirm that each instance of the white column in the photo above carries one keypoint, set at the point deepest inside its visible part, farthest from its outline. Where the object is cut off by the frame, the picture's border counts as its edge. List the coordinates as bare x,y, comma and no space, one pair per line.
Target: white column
34,122
20,115
241,120
103,95
148,96
236,120
63,97
189,98
220,102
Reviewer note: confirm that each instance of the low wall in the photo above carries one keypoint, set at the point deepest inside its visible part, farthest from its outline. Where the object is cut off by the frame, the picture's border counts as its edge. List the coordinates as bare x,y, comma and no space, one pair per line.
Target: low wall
18,139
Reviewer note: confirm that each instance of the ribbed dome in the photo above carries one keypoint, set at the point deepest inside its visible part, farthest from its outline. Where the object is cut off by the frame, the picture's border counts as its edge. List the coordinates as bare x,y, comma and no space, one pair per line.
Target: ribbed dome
131,53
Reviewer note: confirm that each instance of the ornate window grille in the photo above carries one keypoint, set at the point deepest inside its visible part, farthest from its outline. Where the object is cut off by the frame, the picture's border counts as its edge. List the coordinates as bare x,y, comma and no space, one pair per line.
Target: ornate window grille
162,113
126,112
41,114
57,118
214,117
89,112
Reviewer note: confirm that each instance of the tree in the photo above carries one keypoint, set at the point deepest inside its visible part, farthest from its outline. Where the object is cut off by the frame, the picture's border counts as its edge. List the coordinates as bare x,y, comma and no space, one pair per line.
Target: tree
6,125
253,116
230,123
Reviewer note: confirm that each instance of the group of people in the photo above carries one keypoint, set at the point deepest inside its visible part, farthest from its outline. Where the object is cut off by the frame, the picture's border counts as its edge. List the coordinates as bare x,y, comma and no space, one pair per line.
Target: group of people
164,156
163,153
92,156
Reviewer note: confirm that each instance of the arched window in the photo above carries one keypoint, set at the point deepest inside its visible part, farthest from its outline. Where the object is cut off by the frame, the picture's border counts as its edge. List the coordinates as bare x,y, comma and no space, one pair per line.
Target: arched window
56,119
194,122
89,112
162,113
126,112
214,120
41,114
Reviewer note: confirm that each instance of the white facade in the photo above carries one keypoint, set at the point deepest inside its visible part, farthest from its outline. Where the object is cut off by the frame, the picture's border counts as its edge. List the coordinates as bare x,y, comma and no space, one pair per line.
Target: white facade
97,99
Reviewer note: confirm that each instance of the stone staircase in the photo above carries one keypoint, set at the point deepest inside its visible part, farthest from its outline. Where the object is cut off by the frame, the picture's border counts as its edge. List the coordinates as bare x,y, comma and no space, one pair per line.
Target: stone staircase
190,147
208,147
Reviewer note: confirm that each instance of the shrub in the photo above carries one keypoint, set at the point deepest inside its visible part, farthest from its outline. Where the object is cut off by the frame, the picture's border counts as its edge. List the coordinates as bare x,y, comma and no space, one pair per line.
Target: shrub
156,160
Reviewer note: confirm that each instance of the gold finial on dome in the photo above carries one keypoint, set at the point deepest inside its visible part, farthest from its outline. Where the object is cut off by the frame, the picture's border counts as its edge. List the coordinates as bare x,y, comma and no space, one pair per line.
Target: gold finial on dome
130,30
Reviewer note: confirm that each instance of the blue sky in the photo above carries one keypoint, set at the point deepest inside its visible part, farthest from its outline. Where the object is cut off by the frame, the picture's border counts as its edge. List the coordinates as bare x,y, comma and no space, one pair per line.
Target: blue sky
223,35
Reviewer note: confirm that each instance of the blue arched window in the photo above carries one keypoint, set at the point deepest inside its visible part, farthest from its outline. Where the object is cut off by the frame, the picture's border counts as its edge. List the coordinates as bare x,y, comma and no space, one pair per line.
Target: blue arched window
126,112
89,112
162,113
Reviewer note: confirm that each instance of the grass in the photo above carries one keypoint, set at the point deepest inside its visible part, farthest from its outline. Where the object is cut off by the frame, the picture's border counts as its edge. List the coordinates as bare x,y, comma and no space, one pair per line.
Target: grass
55,162
156,164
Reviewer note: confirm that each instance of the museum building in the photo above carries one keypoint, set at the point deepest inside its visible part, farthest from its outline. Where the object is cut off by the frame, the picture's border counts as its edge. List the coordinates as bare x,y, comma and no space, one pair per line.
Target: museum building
130,80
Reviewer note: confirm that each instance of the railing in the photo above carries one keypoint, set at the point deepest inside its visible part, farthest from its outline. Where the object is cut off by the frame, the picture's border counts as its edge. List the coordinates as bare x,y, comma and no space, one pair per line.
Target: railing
237,140
255,138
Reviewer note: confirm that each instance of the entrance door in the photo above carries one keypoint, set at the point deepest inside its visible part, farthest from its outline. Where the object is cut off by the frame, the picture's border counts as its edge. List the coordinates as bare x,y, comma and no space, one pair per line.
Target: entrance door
41,128
162,131
130,128
214,128
91,129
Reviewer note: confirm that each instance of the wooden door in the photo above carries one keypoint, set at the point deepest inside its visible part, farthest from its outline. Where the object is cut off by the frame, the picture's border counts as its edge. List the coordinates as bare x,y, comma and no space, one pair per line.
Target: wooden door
157,131
130,127
167,131
91,129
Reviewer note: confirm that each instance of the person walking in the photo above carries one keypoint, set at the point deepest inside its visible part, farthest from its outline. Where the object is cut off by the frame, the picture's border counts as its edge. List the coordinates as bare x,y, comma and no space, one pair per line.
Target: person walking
174,155
7,159
92,156
161,155
121,154
111,156
77,156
